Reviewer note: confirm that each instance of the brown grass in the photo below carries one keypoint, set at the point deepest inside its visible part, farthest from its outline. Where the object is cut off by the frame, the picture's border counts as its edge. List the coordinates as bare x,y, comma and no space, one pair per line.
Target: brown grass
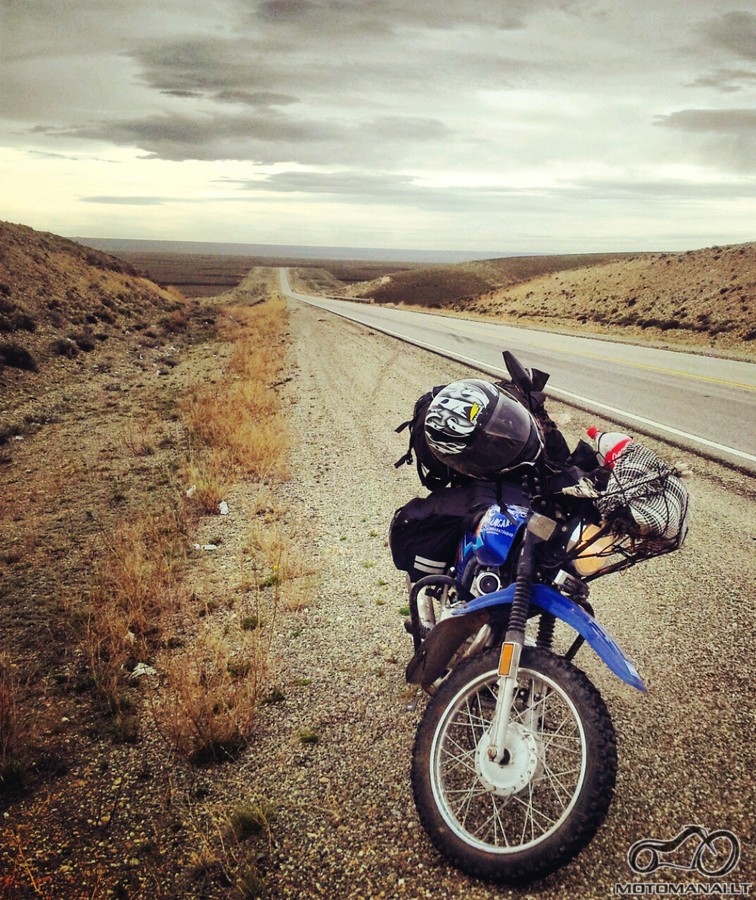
235,429
278,546
208,703
136,586
99,575
235,425
14,741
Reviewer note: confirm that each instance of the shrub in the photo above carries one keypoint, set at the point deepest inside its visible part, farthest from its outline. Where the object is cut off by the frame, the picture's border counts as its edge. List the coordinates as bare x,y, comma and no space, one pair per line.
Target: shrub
17,357
207,712
251,819
65,347
83,342
14,319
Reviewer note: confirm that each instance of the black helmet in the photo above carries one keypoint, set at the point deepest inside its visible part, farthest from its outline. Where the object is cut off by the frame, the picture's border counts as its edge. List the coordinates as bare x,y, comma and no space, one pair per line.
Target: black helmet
478,430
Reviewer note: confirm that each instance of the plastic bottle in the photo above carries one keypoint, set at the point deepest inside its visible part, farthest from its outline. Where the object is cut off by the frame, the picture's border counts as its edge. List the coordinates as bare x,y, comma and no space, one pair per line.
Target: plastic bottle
609,444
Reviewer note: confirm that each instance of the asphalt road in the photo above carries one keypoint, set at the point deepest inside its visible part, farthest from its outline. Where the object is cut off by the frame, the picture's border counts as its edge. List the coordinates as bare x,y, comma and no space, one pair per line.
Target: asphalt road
704,404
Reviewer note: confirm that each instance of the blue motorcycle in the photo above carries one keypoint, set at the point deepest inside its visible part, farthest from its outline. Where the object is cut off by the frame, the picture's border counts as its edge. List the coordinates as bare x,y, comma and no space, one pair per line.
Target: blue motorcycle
515,757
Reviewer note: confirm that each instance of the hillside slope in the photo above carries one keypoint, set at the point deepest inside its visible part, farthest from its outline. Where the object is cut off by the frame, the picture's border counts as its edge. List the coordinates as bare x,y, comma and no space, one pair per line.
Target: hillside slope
443,285
701,298
60,302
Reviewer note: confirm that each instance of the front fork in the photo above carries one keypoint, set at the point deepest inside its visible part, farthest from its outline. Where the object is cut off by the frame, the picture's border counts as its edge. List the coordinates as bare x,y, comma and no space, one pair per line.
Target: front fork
539,528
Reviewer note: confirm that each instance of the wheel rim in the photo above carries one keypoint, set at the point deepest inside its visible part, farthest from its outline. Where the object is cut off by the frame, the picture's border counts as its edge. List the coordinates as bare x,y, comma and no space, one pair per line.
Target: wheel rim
524,802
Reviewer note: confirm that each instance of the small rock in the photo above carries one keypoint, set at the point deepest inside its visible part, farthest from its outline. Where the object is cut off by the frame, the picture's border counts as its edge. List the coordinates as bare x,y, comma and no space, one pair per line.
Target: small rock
141,669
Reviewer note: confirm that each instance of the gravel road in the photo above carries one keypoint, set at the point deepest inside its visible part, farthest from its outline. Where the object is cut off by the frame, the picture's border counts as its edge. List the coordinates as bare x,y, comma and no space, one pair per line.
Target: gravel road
346,824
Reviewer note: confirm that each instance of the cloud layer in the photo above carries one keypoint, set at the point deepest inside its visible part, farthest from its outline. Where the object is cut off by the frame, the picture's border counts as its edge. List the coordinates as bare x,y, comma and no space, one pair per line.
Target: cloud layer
537,109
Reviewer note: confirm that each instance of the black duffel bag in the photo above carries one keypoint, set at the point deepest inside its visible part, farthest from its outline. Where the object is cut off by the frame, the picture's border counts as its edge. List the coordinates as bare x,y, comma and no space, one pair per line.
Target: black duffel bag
425,533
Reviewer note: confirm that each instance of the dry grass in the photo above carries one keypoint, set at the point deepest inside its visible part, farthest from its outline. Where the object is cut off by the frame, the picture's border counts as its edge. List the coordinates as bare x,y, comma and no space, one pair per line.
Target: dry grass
285,568
228,847
207,706
136,586
14,740
99,575
235,425
235,430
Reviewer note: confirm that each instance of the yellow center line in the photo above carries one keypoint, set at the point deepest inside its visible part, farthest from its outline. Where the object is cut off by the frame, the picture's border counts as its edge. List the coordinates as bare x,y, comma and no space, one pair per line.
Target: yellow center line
600,358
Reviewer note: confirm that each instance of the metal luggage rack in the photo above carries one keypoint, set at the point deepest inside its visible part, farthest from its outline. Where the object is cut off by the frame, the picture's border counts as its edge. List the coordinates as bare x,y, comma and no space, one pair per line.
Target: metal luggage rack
619,539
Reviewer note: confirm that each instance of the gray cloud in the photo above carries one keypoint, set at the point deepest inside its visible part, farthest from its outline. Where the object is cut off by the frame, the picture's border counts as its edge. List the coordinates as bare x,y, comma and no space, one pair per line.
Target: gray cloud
387,188
739,121
436,106
261,137
201,65
216,136
728,81
348,183
381,191
732,31
726,137
255,98
659,191
128,201
375,18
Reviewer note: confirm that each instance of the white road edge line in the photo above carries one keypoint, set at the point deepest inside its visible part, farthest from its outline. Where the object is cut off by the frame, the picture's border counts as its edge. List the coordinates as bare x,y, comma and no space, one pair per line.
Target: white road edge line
619,413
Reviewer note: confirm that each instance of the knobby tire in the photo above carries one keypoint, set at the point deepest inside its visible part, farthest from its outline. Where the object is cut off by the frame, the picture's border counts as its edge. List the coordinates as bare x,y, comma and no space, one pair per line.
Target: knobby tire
564,758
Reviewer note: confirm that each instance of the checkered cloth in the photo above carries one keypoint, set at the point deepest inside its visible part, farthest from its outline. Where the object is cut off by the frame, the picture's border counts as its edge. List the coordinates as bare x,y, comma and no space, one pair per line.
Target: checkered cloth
645,497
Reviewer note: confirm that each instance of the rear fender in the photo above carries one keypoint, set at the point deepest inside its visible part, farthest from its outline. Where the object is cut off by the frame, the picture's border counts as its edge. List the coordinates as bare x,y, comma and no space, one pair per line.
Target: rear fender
551,601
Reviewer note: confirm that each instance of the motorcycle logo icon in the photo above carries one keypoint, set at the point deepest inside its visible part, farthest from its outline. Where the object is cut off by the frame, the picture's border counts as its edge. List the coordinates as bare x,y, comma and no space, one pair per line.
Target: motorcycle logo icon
713,853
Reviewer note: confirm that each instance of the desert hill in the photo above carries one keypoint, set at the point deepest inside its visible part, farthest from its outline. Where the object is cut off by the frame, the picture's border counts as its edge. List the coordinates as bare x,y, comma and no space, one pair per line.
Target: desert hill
60,302
444,285
703,298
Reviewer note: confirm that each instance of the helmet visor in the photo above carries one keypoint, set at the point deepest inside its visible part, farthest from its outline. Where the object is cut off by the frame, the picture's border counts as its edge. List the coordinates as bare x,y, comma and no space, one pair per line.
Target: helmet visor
509,438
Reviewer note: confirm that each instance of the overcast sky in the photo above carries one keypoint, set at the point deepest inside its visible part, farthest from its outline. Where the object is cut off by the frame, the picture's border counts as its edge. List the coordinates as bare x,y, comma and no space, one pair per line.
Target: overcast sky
492,125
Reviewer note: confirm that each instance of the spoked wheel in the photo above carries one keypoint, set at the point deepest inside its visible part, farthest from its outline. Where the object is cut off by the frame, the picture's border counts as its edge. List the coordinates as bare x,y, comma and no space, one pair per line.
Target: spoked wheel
531,814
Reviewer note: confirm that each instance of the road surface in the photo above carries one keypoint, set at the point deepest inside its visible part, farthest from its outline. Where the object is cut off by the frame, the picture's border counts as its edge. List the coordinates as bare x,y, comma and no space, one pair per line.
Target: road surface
704,404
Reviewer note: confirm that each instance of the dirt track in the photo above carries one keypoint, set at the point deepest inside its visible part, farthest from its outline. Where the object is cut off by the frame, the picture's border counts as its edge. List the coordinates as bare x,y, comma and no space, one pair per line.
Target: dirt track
347,825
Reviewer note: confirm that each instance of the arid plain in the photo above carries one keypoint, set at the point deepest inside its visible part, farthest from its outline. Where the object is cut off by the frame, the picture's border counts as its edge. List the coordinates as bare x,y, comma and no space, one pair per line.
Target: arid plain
283,769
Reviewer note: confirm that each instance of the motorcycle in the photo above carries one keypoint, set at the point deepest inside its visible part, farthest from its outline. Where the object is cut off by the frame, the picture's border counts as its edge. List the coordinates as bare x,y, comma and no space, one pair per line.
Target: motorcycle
515,757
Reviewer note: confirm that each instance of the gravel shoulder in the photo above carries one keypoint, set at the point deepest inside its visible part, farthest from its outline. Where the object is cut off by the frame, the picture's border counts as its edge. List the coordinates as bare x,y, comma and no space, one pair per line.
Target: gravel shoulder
346,825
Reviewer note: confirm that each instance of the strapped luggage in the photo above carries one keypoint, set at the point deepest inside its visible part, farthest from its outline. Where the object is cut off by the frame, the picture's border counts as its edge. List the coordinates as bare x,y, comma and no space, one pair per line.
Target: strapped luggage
425,533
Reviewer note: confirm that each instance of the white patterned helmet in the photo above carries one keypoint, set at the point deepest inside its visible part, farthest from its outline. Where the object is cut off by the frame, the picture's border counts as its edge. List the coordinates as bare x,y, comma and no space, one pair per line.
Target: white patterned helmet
478,430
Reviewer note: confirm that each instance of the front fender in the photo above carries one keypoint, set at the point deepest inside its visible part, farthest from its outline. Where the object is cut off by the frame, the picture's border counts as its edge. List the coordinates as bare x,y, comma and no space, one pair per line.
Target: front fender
433,655
551,601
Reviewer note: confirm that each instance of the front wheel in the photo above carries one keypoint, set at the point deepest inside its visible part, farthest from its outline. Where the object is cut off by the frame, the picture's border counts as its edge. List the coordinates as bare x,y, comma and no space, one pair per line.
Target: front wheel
521,819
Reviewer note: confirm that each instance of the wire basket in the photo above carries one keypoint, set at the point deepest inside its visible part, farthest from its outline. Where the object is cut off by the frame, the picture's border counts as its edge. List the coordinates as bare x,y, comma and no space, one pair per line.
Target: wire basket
644,510
602,549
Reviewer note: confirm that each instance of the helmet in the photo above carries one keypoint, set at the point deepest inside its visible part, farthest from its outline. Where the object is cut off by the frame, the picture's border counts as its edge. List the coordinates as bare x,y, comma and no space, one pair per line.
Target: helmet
478,430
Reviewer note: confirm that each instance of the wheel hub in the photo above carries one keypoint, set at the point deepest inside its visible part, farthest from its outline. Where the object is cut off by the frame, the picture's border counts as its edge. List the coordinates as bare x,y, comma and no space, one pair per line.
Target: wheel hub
514,775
